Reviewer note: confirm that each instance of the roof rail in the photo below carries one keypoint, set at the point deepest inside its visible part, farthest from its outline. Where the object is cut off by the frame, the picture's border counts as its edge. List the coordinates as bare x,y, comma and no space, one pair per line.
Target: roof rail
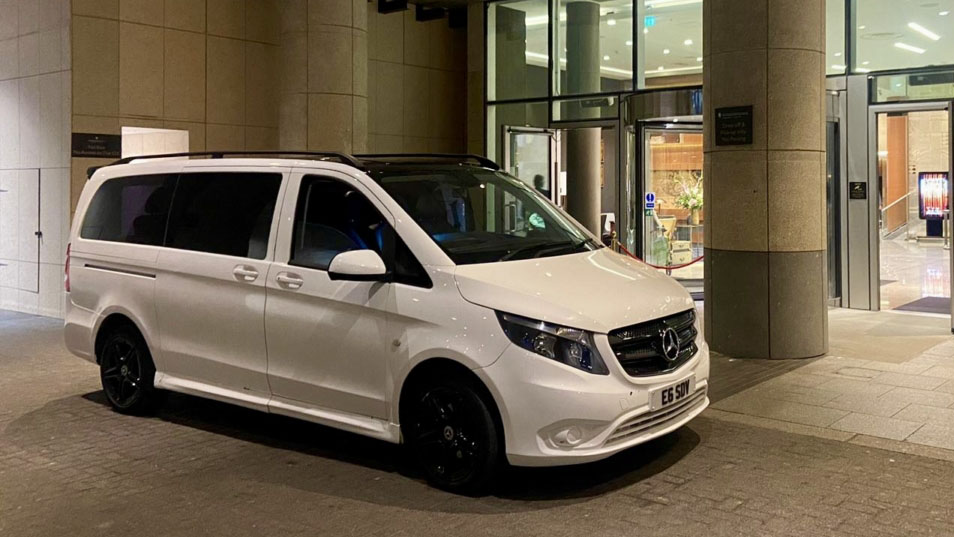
341,157
482,161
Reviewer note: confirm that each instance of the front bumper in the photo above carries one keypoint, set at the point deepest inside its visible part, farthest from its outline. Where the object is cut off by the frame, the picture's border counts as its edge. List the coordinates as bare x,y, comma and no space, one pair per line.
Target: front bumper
556,415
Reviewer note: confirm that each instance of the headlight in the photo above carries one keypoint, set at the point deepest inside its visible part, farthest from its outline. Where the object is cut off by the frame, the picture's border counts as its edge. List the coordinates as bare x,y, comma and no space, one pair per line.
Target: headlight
569,346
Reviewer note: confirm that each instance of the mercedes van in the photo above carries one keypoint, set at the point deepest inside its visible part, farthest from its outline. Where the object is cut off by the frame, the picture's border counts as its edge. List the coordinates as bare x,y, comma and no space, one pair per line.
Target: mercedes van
430,300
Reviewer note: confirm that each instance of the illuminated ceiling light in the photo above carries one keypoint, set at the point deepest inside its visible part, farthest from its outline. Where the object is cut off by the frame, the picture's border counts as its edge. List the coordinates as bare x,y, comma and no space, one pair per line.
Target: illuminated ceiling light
687,42
699,58
862,27
606,57
645,30
611,22
661,68
629,42
944,13
665,51
923,31
838,54
862,70
865,62
670,3
839,67
909,48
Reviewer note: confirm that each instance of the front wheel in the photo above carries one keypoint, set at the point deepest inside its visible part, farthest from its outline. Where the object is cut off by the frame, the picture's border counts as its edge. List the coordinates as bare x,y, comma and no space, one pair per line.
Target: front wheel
127,372
454,437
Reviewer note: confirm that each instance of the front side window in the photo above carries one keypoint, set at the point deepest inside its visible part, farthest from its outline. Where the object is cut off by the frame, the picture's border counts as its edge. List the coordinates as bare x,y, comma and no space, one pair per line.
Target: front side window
130,209
480,216
224,213
333,217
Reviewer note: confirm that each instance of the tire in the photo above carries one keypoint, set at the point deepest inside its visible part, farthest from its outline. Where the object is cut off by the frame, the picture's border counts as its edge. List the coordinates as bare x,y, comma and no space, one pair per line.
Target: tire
452,434
127,372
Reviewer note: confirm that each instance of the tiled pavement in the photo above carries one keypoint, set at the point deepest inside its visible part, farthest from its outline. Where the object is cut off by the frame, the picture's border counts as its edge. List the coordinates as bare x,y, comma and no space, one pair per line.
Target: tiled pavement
70,466
904,406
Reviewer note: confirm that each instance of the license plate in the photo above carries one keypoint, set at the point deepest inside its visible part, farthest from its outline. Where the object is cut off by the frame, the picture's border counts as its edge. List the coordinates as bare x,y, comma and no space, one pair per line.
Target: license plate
672,394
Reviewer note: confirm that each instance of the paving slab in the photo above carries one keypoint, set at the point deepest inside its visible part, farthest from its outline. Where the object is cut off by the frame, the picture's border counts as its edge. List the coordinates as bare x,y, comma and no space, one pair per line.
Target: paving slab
867,404
923,397
894,429
941,371
855,386
905,380
927,414
935,435
766,407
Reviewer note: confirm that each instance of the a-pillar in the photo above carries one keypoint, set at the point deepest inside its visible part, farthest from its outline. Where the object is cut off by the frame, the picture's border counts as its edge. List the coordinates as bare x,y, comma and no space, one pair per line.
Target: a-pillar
583,144
324,75
765,206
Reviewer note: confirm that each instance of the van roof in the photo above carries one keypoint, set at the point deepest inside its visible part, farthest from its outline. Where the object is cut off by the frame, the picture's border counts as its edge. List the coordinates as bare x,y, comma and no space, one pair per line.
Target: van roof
363,162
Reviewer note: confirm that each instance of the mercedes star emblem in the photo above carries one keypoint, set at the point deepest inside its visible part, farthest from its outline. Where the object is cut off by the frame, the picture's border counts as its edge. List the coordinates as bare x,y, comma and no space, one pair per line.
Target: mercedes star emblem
670,345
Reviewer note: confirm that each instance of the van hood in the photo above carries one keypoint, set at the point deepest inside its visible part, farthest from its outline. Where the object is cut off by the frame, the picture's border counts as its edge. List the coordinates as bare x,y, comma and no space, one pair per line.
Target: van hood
598,291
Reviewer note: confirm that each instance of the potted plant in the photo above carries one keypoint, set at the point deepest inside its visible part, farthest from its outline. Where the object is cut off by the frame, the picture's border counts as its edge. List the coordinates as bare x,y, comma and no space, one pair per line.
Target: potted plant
690,194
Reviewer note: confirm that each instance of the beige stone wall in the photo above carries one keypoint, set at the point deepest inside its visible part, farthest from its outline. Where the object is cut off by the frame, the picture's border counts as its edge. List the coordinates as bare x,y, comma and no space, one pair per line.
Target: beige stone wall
34,153
206,66
417,81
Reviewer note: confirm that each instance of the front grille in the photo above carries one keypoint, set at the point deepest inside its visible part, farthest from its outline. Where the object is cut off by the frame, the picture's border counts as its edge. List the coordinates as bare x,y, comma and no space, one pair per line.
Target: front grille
639,347
656,420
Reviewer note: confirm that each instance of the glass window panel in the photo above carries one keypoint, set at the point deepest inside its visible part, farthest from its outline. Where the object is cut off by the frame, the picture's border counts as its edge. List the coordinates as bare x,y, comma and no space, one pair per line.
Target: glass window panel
517,43
224,213
613,25
512,115
893,34
915,87
130,209
669,43
835,37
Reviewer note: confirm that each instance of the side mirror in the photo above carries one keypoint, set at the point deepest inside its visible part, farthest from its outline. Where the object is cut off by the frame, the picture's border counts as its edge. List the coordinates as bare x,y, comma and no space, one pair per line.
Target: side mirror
358,265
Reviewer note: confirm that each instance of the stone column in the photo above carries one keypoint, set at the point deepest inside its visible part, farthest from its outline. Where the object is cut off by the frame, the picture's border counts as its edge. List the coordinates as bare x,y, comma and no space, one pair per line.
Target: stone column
324,82
583,145
765,242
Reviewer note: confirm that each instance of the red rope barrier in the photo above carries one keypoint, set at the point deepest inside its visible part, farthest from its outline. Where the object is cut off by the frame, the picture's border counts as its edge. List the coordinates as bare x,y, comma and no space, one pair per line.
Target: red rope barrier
664,267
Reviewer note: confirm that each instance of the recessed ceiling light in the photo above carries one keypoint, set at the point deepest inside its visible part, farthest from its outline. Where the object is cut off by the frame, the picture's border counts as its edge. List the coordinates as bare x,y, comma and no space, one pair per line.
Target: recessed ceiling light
838,54
645,30
910,48
839,67
699,59
944,13
862,27
923,31
665,51
606,57
629,42
865,62
687,42
661,68
611,22
675,120
862,70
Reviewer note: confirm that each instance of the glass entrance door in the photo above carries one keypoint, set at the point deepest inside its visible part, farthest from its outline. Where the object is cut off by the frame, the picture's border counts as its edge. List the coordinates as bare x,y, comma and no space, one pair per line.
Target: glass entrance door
532,155
914,189
673,215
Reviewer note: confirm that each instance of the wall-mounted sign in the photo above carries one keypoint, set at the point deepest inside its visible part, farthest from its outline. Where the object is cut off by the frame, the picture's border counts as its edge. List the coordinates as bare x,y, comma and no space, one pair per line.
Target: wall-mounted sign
650,200
733,126
97,145
858,190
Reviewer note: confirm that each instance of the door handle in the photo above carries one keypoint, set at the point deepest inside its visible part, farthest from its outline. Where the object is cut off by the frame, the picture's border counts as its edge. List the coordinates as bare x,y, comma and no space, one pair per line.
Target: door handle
245,273
289,280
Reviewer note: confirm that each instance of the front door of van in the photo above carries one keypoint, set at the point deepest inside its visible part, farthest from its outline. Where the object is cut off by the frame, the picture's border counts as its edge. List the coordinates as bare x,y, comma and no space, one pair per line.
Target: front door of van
326,338
210,286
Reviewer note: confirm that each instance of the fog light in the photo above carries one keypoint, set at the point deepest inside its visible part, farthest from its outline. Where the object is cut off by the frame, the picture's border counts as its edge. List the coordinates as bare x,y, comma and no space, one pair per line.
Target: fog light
568,437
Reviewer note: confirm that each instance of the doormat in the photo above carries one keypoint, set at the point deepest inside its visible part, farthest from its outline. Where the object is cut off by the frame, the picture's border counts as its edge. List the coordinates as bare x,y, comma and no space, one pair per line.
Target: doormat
929,304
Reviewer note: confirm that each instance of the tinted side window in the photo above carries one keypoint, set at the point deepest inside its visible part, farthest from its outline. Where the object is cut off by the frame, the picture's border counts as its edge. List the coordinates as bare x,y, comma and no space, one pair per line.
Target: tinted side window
224,213
130,209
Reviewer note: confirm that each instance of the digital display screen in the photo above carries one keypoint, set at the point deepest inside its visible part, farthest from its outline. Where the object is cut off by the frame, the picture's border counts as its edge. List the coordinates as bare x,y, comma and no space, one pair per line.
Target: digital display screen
932,194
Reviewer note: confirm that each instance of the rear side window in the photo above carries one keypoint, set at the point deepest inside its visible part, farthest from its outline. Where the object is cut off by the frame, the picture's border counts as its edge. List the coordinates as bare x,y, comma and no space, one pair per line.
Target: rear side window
224,213
130,209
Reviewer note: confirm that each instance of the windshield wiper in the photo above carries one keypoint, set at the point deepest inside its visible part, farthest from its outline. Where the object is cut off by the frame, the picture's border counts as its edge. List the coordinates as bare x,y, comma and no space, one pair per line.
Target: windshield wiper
545,247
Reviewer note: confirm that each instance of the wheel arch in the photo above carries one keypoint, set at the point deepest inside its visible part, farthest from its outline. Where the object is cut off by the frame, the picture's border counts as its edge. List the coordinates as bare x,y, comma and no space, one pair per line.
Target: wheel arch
437,368
111,322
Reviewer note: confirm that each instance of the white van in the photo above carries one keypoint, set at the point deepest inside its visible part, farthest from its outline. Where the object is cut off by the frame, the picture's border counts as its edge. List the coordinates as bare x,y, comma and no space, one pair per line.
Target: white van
426,299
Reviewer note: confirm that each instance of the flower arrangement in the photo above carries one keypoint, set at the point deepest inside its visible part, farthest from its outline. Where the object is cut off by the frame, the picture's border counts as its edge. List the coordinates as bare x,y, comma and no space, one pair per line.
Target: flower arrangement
690,185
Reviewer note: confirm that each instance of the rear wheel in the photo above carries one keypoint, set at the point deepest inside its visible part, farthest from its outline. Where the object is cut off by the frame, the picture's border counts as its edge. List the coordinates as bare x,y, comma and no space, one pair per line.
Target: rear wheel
453,436
127,372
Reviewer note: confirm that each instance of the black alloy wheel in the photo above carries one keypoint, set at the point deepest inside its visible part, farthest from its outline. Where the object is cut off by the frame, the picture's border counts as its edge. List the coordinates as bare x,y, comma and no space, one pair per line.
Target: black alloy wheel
127,372
454,437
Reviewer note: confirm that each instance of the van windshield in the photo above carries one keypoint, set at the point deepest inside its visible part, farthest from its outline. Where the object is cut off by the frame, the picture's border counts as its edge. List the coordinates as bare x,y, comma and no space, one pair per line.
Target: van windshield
481,216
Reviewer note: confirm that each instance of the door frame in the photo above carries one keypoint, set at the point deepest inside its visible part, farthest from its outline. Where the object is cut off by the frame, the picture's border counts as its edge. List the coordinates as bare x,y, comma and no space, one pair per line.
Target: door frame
554,158
874,208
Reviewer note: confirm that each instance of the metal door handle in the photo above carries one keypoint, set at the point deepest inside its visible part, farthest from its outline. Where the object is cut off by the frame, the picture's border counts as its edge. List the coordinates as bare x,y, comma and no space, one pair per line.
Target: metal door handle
245,273
288,280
